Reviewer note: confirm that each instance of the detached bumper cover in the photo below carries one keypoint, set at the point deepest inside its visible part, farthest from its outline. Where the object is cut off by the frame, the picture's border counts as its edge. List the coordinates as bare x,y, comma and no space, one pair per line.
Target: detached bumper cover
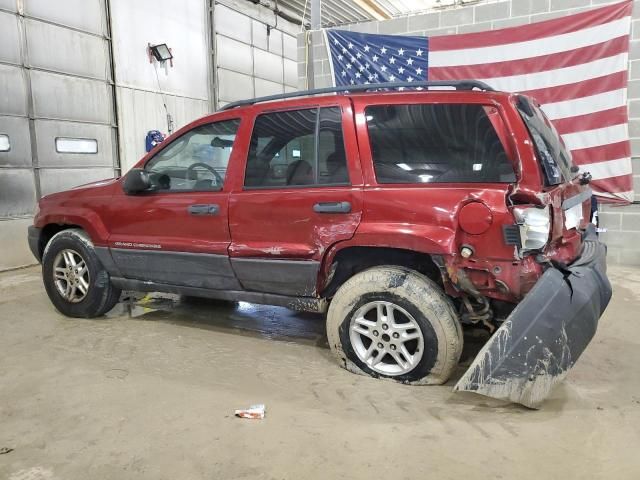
545,334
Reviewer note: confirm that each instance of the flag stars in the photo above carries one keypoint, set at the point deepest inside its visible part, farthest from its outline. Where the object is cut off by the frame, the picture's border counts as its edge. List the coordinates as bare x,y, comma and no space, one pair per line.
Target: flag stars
344,50
383,68
375,58
392,60
350,45
401,70
366,48
357,75
392,78
383,50
410,79
361,68
410,62
340,57
353,59
419,71
348,66
401,52
344,73
336,42
419,52
358,55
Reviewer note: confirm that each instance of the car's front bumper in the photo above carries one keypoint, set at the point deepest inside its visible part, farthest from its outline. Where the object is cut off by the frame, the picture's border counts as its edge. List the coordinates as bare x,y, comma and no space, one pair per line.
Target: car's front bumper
33,236
546,333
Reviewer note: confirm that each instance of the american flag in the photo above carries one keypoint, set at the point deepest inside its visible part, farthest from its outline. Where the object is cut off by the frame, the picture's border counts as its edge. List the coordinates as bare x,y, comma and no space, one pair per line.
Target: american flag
574,66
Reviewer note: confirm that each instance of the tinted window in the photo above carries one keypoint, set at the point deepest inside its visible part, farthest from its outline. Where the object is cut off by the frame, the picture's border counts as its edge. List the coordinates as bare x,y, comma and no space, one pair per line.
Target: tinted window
436,143
298,147
332,159
197,160
555,159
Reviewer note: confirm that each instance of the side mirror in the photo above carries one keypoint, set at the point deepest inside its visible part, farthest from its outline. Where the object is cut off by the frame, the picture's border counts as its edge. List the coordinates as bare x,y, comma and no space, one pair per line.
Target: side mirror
222,143
136,181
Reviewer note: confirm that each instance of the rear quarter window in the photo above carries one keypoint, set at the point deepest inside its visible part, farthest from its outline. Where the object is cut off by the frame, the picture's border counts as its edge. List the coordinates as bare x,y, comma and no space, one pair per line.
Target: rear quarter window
552,154
436,143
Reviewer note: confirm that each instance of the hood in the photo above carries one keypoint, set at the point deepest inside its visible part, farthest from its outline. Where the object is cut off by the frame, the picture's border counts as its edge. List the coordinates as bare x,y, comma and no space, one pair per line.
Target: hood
99,183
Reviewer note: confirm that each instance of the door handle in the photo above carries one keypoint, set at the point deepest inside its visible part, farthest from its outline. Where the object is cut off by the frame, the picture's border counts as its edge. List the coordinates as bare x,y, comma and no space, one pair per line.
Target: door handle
204,209
332,207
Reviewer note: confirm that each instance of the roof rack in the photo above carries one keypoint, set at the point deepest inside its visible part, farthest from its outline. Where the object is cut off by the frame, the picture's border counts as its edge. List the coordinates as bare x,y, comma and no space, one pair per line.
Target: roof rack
457,84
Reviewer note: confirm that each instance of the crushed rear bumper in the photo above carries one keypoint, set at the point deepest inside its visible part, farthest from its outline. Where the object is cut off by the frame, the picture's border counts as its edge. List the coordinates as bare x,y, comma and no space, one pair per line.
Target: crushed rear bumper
545,334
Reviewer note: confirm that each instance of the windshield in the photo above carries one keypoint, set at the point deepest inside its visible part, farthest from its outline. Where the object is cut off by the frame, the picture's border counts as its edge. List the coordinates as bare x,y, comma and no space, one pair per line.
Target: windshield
551,152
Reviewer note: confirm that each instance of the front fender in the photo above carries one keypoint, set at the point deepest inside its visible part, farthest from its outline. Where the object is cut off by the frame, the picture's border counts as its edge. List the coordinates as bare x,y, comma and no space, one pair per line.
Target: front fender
85,218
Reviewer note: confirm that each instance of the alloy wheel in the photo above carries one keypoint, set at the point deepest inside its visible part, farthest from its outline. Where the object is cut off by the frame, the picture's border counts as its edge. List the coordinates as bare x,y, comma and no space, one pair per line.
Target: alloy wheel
71,275
386,338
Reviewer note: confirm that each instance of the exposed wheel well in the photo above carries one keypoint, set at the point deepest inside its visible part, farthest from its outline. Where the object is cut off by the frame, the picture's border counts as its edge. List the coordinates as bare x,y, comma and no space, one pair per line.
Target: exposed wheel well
352,260
48,231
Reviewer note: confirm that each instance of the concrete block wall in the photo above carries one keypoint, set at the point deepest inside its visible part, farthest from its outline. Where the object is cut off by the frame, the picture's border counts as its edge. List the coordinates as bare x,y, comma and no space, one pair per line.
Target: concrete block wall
253,57
622,223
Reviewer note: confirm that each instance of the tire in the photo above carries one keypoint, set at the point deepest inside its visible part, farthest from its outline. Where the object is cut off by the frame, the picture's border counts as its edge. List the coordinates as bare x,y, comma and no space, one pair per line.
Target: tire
100,295
423,321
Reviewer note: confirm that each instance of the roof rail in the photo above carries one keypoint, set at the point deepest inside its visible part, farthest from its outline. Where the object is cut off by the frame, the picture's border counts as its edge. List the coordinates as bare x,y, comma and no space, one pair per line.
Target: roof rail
457,84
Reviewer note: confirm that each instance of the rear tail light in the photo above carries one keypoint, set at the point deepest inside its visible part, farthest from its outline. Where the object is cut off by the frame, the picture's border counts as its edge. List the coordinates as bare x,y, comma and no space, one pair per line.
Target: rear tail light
535,227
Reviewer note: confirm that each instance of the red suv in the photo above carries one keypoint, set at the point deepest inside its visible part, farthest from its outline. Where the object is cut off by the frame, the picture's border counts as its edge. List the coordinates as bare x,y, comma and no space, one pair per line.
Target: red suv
403,214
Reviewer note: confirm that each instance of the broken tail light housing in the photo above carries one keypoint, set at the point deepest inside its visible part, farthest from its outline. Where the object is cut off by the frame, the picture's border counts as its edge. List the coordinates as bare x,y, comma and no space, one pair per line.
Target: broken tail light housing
535,226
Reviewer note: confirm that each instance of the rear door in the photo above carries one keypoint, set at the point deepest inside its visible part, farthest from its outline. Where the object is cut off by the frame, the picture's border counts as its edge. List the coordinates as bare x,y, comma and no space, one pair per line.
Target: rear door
300,194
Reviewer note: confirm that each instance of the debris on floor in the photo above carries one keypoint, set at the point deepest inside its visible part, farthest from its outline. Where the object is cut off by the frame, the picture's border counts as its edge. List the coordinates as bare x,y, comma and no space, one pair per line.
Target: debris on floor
4,450
254,412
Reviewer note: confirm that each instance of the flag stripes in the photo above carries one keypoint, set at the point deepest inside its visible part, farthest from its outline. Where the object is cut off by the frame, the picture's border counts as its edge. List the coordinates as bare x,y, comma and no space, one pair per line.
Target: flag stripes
574,66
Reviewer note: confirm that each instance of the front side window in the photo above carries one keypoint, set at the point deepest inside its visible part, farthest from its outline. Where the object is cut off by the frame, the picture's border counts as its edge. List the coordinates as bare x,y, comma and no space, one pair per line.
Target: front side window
297,148
553,156
436,143
197,160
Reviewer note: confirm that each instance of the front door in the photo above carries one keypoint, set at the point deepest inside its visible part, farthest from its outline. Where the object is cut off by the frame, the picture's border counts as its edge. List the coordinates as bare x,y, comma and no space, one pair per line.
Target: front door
177,233
301,193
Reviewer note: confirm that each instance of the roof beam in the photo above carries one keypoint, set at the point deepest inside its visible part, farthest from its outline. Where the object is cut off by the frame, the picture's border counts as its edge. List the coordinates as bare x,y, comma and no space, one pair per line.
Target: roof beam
373,8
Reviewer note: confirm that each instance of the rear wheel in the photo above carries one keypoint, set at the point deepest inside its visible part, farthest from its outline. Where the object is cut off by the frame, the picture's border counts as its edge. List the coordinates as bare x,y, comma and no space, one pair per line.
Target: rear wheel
396,323
74,278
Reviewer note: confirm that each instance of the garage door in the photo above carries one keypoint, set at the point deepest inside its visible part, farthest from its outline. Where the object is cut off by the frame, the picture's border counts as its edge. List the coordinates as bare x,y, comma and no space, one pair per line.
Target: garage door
57,121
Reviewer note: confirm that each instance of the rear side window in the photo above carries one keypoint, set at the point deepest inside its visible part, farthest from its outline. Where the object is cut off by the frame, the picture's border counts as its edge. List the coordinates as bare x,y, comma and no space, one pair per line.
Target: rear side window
297,148
436,143
554,158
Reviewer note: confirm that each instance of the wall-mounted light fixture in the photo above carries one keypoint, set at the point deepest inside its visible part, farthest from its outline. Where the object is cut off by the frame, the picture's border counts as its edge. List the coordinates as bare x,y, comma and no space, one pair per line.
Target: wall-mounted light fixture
161,52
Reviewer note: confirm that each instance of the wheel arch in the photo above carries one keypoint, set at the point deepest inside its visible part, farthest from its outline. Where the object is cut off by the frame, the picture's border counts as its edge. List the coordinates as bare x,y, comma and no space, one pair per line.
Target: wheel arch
48,231
84,219
348,261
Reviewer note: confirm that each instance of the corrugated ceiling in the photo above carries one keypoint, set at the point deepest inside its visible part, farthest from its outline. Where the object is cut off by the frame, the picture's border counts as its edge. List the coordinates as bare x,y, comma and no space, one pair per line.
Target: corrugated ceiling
338,12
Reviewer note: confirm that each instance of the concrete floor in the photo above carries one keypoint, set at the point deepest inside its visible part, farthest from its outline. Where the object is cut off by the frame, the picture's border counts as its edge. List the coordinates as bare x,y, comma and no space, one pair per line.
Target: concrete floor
149,393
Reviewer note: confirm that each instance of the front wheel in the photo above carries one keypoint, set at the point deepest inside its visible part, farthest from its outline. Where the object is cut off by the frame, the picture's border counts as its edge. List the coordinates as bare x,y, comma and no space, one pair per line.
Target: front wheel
395,323
74,278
